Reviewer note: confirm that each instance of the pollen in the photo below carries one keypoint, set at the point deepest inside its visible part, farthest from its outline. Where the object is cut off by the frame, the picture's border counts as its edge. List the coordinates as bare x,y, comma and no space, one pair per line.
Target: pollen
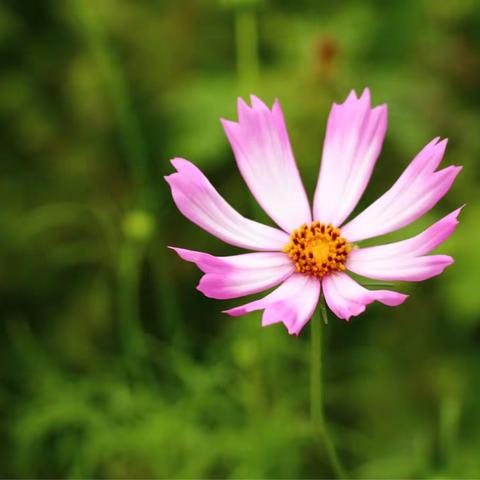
317,249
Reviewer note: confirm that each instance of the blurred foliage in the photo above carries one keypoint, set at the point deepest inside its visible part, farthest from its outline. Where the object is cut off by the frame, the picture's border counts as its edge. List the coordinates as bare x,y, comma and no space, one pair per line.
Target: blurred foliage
112,364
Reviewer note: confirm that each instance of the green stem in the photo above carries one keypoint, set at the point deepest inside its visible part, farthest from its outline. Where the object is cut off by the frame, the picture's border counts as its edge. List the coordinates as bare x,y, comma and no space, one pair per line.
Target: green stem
450,410
248,64
129,266
166,296
246,37
316,393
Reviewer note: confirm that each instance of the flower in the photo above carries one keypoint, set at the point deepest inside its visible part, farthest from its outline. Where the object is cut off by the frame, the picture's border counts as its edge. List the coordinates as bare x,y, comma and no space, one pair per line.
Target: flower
313,250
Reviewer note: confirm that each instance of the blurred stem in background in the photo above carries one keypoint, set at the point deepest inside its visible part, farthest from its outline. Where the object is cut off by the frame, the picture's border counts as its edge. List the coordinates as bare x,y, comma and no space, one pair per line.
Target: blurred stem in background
316,390
449,417
133,251
248,61
246,37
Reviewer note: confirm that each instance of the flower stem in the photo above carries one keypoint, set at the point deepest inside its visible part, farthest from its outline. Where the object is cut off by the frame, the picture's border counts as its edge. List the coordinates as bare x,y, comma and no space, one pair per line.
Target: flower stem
246,33
316,392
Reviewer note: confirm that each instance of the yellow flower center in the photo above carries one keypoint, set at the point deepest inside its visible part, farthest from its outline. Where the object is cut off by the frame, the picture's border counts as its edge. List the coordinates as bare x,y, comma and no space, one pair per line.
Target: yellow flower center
317,249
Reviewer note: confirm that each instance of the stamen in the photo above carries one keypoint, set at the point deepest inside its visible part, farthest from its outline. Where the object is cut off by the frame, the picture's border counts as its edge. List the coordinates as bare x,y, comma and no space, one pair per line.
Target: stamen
317,249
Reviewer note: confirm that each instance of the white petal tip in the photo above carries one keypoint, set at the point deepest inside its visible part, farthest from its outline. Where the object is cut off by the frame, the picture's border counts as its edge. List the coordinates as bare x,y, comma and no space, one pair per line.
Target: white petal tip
365,95
258,104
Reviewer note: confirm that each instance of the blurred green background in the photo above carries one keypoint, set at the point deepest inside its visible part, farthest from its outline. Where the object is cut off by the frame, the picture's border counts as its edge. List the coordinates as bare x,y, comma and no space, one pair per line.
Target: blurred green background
112,365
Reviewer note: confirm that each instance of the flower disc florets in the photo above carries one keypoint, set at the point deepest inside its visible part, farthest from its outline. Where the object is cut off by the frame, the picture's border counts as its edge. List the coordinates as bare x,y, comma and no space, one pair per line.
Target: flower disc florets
317,249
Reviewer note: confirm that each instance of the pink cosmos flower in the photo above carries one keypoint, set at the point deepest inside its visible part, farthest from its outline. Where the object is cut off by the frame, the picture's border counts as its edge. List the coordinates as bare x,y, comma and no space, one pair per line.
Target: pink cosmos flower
313,250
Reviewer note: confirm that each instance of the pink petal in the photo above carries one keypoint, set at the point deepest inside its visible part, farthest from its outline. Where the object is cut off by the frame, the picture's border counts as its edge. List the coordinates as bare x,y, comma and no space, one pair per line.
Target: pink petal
346,298
406,260
417,190
238,275
198,200
292,303
264,157
407,270
352,144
